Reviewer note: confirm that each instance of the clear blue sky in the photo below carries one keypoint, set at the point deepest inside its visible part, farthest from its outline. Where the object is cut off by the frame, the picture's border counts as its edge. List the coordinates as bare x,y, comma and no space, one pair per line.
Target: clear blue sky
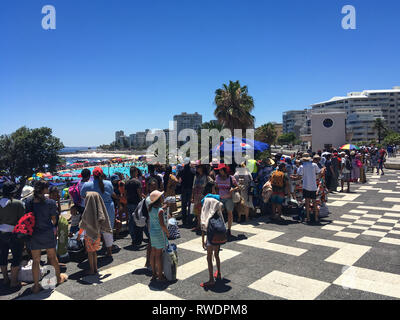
131,65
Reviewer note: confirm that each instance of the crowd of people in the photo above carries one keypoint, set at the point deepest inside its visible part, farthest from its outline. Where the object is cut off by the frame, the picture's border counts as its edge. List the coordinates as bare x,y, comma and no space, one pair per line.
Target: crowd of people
295,185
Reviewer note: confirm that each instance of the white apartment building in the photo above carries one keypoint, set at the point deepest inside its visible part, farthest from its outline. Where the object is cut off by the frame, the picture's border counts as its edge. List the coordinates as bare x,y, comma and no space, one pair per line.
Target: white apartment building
362,108
294,121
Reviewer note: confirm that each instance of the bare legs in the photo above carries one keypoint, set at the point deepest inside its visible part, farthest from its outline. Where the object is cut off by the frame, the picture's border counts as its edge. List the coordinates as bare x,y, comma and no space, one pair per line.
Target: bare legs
308,200
210,251
156,264
92,257
52,259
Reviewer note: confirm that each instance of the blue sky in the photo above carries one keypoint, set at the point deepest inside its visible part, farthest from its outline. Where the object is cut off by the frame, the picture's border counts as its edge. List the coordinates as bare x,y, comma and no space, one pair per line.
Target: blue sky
131,65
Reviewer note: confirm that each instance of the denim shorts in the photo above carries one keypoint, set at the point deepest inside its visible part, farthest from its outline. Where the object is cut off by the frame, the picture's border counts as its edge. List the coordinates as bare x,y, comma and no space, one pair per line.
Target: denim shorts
277,198
228,204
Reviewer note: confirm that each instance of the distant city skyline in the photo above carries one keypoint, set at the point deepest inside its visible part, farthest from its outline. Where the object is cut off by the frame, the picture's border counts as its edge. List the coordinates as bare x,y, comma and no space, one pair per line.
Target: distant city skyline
131,65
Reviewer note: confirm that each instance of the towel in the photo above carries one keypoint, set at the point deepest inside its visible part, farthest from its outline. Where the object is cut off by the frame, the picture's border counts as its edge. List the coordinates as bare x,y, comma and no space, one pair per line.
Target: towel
95,217
210,195
210,206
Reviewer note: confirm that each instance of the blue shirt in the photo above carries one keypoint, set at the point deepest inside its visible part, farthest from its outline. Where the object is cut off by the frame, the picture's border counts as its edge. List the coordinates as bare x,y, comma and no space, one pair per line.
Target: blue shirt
106,196
94,186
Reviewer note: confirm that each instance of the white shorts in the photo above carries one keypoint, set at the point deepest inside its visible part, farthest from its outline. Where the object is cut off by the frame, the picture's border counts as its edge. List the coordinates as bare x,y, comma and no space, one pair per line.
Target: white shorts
108,239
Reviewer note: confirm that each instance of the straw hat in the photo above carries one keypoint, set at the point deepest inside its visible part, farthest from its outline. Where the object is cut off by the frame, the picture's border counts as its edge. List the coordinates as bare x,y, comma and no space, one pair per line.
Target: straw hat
306,157
352,153
27,191
155,195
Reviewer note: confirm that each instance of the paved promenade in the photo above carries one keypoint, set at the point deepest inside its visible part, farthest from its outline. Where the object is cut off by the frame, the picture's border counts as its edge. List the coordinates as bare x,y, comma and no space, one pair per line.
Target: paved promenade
353,254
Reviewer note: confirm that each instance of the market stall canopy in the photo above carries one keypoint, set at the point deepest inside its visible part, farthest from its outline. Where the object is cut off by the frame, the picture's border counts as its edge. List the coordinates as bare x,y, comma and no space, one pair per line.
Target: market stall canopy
241,145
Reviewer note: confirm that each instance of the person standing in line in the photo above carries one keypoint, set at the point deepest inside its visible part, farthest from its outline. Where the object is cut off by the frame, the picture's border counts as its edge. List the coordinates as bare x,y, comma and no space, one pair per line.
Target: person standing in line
106,191
309,172
134,195
78,208
186,178
200,181
374,161
11,210
382,155
226,186
170,183
280,186
94,221
43,237
345,171
329,174
211,201
158,234
244,179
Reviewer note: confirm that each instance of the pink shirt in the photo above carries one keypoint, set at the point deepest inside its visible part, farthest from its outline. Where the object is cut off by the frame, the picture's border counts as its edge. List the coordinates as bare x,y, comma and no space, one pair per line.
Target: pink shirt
224,186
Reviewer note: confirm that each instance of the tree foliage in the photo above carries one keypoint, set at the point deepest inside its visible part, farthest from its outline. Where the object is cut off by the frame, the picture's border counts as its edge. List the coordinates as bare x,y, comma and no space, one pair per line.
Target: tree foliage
27,151
234,106
392,138
380,128
287,138
266,133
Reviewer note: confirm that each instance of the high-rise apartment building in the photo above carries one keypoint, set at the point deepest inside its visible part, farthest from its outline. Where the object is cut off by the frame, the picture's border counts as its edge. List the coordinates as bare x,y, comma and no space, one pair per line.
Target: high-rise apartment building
362,108
293,121
188,121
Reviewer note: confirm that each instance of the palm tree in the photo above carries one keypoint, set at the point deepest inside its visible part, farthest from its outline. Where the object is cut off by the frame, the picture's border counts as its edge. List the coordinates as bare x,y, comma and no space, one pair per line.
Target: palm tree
266,133
212,125
234,105
379,126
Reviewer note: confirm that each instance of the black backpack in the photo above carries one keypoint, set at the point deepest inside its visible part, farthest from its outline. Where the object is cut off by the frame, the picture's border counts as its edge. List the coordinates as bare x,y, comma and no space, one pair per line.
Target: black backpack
216,230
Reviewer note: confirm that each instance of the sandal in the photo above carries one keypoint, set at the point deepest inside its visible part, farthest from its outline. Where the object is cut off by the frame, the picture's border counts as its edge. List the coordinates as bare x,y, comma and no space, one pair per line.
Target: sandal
207,284
217,275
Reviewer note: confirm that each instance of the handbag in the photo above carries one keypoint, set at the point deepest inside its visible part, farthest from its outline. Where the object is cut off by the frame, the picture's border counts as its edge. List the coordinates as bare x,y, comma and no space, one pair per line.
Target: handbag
236,198
24,228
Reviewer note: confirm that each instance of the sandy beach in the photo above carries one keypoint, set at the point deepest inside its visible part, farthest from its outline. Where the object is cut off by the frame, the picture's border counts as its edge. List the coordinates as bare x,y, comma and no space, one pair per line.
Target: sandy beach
101,155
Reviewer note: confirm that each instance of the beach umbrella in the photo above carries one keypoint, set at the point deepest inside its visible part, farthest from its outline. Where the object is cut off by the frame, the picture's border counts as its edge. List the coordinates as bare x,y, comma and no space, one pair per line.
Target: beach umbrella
349,147
66,175
241,145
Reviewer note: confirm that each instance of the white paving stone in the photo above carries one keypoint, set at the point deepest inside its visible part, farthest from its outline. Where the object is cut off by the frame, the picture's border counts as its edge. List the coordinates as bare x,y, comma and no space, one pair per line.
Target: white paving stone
390,241
378,282
289,286
332,228
348,253
140,292
374,233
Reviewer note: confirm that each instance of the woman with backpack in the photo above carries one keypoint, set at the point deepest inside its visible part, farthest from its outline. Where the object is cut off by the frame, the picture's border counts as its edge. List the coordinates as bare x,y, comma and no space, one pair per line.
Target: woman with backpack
43,237
280,187
226,186
11,210
212,209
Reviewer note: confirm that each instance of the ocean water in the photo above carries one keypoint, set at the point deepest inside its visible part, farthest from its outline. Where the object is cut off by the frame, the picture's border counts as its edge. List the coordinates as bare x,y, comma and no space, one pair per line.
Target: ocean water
75,149
109,171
